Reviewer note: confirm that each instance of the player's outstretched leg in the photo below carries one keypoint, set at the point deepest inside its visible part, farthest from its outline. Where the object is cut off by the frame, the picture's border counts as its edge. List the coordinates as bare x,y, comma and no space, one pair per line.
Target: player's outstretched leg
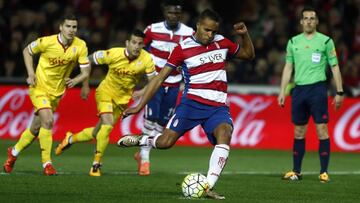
65,144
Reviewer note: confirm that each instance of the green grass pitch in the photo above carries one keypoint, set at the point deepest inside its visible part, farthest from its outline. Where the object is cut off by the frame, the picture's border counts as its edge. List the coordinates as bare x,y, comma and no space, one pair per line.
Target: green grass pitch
250,176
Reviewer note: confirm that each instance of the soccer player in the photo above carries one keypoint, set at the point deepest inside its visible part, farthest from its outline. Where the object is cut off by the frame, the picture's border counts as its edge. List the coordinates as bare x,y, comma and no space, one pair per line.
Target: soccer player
127,66
161,38
309,53
59,54
202,57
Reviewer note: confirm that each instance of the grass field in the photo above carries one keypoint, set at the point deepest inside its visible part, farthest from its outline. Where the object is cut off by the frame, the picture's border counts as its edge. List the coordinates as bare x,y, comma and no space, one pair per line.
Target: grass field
250,176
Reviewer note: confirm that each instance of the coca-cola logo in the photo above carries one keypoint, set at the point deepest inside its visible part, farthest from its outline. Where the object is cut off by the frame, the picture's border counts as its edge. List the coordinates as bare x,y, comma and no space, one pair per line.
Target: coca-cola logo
14,116
13,121
247,128
348,124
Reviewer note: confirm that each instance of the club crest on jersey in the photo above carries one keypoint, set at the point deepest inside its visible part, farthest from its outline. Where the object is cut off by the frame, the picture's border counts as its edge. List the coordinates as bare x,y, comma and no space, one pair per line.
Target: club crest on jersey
74,50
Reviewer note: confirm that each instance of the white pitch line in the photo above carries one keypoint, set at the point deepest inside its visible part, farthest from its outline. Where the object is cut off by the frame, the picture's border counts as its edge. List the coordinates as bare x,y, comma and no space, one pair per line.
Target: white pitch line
277,173
188,172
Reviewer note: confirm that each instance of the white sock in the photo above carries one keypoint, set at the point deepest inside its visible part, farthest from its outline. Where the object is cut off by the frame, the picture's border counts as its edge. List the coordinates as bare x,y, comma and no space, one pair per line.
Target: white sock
14,152
217,163
145,150
149,141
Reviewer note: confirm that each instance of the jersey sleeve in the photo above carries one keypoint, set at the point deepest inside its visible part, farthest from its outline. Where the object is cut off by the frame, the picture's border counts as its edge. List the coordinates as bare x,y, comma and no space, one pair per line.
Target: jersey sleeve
331,53
37,46
83,59
232,47
148,36
150,67
176,57
102,57
289,53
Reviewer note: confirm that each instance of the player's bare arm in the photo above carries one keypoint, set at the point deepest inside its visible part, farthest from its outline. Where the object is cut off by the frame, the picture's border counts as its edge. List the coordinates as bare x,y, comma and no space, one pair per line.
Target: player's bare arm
285,79
247,50
29,63
339,97
150,90
85,72
85,89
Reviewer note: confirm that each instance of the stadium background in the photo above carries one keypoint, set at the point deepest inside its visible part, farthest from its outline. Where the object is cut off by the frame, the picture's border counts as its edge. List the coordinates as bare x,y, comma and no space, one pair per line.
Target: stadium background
104,24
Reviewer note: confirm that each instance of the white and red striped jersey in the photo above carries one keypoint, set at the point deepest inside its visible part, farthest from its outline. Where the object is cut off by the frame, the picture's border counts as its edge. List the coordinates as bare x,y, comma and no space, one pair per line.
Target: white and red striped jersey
161,41
204,68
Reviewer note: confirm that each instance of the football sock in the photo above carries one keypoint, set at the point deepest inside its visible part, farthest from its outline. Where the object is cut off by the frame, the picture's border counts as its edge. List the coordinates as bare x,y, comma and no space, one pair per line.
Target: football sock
324,154
145,150
147,129
102,140
83,136
45,140
25,140
298,154
217,163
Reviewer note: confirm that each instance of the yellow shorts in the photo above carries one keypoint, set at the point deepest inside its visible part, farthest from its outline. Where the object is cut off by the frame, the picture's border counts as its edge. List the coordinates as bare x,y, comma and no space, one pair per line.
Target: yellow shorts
43,100
106,104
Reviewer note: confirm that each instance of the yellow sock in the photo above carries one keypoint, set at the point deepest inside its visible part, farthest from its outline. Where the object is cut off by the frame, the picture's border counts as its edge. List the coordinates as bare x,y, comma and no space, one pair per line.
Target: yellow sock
25,140
83,136
102,140
45,139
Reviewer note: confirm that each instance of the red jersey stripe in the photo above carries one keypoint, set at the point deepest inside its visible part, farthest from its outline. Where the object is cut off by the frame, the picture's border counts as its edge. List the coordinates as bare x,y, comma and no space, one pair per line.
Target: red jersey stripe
204,101
214,85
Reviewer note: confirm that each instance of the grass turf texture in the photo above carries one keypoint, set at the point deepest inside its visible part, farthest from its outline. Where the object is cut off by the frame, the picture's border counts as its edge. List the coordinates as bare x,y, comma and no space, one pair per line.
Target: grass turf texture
250,176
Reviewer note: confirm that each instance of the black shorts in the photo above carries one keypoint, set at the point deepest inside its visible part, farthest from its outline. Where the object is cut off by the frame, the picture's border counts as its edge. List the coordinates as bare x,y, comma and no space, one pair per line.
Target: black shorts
309,100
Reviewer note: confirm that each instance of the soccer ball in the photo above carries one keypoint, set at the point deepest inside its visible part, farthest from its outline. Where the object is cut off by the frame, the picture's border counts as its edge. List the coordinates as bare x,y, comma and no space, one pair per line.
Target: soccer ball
194,185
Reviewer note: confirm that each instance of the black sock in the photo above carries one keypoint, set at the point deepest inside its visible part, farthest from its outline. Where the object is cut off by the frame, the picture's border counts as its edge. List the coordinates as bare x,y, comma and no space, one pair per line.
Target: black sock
324,154
298,154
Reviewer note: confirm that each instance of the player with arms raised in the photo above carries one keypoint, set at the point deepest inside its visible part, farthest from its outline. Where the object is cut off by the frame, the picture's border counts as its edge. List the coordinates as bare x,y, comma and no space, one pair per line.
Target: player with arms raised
203,58
58,56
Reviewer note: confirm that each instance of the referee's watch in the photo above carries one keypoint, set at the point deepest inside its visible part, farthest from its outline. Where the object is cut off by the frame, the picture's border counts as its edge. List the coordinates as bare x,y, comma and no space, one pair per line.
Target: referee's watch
340,93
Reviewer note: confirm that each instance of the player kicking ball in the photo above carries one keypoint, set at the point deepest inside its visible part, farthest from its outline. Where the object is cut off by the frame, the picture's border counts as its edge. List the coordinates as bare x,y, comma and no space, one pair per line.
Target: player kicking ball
203,58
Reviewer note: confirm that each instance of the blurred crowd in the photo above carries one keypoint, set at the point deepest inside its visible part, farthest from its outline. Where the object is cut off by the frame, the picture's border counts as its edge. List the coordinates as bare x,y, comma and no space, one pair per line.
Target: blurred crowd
105,23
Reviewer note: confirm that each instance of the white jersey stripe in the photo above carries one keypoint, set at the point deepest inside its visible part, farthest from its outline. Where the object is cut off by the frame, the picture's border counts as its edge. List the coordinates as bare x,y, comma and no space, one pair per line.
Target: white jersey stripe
159,62
219,75
211,95
163,45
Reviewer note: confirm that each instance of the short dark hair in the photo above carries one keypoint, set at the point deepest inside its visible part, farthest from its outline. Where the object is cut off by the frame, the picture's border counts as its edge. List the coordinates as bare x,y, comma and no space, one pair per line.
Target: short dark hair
68,16
211,15
137,33
172,3
305,9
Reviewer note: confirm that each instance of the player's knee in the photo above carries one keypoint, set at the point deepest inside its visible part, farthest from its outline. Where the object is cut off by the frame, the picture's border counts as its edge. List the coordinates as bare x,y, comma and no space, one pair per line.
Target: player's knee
47,123
300,132
164,142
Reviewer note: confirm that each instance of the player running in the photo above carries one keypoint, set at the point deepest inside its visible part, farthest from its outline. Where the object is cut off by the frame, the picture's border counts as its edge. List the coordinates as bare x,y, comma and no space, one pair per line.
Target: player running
58,56
127,66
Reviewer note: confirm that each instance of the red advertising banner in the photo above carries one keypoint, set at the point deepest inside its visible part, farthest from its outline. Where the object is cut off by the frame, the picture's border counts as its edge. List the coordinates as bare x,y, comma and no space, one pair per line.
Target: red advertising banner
258,121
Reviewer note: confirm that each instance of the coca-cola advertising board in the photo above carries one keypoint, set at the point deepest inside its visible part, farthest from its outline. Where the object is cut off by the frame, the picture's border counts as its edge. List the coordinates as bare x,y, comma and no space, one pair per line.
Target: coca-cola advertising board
258,121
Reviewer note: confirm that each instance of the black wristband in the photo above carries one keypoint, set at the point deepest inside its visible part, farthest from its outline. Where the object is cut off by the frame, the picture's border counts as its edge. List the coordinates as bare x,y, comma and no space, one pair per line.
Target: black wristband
340,93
